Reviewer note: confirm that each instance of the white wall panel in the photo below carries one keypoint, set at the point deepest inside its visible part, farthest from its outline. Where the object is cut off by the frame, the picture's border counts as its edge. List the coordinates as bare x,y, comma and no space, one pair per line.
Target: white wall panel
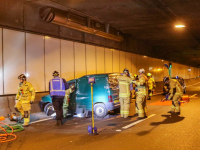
128,61
91,59
108,60
122,61
116,61
1,65
134,64
80,62
14,59
67,60
100,55
138,62
35,61
52,58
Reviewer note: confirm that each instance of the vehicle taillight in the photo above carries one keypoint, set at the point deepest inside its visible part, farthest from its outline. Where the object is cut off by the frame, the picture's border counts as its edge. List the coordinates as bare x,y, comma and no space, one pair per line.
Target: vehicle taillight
110,99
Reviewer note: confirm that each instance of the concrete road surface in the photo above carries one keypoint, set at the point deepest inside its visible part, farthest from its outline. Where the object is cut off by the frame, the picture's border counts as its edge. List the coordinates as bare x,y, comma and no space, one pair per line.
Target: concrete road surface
161,131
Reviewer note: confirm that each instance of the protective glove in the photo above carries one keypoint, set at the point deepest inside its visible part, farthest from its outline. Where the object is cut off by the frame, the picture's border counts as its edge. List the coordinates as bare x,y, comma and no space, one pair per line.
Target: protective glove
31,102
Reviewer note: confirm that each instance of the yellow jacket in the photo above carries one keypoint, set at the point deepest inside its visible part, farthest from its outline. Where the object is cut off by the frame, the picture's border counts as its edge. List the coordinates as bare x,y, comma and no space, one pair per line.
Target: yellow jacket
151,83
175,88
124,86
141,85
26,92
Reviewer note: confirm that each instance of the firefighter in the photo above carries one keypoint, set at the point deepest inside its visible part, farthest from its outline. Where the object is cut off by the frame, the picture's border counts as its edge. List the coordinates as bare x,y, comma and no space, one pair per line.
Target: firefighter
151,85
124,93
24,98
141,93
66,100
176,92
133,93
57,88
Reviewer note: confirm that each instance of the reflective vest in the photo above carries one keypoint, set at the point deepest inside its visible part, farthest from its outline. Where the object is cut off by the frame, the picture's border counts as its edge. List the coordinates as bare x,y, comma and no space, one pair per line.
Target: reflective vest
57,87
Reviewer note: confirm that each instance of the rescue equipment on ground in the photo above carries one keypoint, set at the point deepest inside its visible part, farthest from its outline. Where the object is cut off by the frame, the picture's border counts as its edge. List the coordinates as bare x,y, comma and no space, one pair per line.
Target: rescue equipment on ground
92,130
12,117
8,131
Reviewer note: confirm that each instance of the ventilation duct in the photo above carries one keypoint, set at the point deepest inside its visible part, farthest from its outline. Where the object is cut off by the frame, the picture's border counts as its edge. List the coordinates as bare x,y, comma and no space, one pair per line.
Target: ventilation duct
80,23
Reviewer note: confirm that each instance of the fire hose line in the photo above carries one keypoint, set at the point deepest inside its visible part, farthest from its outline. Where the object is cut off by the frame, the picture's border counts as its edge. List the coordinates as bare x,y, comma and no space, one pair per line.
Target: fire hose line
8,131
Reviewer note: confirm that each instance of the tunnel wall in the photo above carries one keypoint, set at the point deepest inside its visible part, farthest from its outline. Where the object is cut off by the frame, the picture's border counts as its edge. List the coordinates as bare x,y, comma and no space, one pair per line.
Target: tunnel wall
38,56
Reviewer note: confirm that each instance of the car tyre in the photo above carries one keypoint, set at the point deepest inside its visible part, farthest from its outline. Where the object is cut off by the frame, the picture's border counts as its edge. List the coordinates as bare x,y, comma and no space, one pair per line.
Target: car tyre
100,110
49,109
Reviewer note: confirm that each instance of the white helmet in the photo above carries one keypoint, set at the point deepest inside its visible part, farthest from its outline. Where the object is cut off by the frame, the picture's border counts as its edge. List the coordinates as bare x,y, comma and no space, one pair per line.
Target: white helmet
142,71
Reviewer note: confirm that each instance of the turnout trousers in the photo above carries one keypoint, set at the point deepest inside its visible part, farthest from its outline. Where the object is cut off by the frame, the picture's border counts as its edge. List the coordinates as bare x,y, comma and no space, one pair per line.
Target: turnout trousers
175,103
124,106
24,109
141,106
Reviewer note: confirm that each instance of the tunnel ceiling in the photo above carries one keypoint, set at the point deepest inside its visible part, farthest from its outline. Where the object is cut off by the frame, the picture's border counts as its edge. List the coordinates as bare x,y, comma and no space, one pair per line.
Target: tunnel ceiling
151,21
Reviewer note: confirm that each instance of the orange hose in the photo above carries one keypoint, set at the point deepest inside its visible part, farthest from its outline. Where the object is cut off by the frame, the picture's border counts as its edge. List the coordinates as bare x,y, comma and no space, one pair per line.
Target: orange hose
4,137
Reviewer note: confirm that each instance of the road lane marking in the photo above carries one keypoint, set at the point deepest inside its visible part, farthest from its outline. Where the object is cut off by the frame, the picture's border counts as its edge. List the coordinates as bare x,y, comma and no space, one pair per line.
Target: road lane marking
193,84
134,123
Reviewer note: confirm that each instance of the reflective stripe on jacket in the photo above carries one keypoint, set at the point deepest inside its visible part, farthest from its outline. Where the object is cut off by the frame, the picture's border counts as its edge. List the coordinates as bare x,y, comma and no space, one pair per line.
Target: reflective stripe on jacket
151,83
141,85
175,86
124,86
26,92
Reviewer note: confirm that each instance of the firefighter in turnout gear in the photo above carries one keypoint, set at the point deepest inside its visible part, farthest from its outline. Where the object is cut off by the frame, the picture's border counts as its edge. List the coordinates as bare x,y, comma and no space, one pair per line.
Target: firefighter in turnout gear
151,85
124,93
176,92
24,98
141,93
66,100
57,88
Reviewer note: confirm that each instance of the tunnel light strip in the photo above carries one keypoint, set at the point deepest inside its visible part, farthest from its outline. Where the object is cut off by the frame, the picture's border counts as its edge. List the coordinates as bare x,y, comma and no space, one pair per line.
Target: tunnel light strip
134,123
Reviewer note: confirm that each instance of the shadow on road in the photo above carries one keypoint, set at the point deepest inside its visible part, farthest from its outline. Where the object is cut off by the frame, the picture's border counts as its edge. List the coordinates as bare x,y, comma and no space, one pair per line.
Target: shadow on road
168,120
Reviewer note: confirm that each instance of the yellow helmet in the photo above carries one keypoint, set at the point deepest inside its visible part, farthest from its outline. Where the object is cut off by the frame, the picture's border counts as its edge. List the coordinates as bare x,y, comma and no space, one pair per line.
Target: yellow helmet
149,74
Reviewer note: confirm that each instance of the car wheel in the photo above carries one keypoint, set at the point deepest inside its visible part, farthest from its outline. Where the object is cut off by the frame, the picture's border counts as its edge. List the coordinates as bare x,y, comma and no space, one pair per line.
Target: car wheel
100,110
49,109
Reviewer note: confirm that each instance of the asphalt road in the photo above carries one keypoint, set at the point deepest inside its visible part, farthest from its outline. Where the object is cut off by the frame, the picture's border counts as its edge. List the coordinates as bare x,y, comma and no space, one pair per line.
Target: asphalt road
159,132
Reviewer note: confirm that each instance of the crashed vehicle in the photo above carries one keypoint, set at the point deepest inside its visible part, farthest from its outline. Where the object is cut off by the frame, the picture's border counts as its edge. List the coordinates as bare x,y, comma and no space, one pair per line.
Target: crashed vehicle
166,87
105,95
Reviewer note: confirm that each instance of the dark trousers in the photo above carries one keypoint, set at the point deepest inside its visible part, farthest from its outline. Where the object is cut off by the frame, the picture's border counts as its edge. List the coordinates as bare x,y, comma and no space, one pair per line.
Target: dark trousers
58,106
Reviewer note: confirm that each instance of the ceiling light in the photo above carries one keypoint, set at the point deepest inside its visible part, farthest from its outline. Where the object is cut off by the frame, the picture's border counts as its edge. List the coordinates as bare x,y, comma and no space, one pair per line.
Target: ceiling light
180,26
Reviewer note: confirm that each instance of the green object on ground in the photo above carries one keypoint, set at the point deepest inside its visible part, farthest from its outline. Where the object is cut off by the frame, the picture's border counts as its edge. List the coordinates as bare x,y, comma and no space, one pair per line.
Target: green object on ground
16,128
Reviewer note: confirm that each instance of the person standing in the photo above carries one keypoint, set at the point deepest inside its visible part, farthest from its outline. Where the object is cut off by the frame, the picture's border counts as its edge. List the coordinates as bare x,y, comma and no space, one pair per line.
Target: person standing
176,92
24,98
124,93
57,88
141,94
151,85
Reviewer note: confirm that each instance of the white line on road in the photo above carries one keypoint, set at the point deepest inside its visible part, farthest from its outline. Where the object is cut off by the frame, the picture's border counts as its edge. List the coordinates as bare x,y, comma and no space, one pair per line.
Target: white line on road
193,84
134,123
41,120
